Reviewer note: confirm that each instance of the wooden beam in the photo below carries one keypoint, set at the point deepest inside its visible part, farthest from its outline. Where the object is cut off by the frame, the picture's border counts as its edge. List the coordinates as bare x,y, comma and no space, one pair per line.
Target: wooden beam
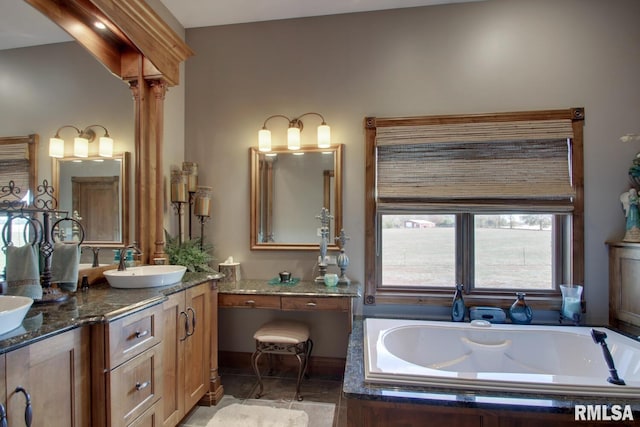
149,33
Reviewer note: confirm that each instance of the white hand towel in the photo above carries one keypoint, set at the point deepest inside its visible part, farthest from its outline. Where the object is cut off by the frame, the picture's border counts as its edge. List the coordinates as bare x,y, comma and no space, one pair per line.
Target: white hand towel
23,274
64,265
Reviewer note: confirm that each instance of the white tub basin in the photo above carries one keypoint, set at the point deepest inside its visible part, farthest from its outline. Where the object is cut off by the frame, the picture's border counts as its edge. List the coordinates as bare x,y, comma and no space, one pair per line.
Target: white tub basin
13,309
520,358
146,276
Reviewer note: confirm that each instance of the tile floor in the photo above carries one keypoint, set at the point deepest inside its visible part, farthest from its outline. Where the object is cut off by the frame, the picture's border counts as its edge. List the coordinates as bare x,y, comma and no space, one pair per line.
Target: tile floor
240,386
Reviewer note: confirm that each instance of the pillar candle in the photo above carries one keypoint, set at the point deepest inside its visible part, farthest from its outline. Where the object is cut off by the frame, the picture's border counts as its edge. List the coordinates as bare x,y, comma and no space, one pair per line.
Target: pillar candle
178,187
191,170
203,202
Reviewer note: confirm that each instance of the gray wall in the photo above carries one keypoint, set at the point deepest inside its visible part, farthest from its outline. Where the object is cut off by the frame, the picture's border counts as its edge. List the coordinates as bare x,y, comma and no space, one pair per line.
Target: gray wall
497,55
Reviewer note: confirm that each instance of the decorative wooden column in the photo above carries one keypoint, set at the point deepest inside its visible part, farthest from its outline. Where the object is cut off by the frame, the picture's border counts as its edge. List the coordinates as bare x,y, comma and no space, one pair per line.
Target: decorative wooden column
149,95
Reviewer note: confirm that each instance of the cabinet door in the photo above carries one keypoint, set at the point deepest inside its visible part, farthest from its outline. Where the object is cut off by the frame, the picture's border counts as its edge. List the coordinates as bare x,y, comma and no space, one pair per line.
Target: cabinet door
186,351
174,334
55,372
196,347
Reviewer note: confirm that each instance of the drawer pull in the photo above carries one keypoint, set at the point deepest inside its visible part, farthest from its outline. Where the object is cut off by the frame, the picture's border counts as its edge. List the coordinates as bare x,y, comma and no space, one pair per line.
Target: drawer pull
186,325
28,411
311,304
250,302
141,386
140,334
193,321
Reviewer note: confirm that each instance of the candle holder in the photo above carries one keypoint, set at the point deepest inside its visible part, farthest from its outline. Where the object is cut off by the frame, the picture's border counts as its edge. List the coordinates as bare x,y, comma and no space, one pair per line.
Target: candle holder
178,196
343,260
190,170
202,208
178,208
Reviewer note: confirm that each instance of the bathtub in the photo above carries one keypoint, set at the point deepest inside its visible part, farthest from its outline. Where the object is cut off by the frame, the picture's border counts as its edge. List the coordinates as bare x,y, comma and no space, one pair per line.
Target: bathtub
532,359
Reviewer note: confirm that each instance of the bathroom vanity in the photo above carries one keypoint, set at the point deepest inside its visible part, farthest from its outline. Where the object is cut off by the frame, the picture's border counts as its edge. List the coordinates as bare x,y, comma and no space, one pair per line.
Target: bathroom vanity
107,357
303,296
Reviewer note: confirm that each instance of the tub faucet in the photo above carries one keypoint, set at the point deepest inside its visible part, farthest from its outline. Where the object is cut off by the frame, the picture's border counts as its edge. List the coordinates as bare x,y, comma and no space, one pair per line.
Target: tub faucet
599,337
122,266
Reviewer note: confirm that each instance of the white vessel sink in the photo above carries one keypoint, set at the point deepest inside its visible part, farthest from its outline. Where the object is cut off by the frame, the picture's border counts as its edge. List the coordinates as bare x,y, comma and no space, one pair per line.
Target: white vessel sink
13,309
146,276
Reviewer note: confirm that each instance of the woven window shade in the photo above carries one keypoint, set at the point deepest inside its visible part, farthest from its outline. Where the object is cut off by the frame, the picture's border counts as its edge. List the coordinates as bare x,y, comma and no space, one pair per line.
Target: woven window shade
14,164
503,161
16,171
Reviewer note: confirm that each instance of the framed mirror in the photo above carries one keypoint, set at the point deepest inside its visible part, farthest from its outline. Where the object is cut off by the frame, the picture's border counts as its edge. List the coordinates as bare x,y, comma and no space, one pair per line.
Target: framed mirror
96,189
288,191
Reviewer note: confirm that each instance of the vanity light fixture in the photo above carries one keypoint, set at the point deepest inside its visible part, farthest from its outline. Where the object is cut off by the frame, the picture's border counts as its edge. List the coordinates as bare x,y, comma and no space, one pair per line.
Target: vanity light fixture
81,142
293,133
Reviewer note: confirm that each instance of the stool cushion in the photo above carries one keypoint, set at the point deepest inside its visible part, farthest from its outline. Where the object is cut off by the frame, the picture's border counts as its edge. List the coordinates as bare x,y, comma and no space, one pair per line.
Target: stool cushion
282,331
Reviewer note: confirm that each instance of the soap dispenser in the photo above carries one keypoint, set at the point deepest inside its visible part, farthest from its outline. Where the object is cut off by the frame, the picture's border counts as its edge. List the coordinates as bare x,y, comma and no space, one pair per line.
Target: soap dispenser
520,312
457,307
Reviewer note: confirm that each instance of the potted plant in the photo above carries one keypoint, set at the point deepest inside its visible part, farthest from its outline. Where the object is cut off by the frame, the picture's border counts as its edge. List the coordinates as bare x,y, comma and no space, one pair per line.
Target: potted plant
190,253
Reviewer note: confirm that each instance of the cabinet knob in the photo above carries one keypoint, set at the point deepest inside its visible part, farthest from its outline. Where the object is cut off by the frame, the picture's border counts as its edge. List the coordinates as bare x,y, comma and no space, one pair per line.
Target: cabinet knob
141,386
311,304
140,334
28,411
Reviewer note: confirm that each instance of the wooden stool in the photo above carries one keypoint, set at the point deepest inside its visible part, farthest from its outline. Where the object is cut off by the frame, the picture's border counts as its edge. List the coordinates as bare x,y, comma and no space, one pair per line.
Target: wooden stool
283,337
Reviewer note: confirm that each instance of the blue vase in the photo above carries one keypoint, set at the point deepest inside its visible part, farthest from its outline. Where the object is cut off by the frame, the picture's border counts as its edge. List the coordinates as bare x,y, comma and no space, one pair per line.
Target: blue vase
520,312
458,308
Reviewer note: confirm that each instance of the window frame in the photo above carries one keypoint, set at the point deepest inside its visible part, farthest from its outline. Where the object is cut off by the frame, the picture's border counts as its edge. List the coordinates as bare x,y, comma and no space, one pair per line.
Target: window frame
569,231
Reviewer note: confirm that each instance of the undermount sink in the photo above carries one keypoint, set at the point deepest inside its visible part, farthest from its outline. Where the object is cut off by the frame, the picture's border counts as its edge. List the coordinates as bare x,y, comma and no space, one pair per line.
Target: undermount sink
13,309
146,276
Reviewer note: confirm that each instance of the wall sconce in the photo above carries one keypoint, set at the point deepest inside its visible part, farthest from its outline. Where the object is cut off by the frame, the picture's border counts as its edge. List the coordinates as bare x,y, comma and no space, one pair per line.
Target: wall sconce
81,142
293,133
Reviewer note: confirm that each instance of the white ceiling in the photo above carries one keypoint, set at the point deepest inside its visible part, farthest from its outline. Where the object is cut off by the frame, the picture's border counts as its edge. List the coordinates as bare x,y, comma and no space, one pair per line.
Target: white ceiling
21,25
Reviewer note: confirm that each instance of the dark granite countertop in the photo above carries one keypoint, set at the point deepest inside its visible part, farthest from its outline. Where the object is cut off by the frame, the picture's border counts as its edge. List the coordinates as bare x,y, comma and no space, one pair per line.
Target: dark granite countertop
302,288
100,303
354,387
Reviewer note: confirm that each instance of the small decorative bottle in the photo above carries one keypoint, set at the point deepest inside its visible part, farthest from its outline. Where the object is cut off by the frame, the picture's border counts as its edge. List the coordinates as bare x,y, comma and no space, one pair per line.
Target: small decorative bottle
520,312
458,308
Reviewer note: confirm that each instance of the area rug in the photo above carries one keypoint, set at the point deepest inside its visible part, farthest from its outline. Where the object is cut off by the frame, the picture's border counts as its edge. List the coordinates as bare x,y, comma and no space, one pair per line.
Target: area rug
236,415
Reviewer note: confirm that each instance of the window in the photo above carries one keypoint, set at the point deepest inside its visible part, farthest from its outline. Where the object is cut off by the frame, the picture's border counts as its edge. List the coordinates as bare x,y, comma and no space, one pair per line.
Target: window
492,201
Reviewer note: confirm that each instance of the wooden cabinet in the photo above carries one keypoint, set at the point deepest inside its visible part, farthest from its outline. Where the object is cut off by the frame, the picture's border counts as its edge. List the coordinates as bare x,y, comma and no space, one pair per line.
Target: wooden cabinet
624,286
187,335
55,374
127,368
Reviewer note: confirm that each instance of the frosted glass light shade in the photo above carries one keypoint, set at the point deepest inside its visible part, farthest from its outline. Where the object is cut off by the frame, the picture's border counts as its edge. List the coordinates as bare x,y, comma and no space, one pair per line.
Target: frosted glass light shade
105,149
56,148
264,140
324,136
80,147
293,138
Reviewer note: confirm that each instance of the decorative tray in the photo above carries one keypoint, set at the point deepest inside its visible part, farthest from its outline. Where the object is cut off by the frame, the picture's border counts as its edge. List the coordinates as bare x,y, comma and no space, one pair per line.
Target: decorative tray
290,282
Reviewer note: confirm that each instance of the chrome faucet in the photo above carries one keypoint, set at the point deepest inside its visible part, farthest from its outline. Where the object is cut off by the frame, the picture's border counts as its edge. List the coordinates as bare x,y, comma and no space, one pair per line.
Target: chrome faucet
95,251
122,266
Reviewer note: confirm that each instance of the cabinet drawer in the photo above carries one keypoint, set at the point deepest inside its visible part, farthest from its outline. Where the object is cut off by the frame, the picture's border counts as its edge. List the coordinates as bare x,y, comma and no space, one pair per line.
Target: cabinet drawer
133,334
315,303
135,386
249,301
151,417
